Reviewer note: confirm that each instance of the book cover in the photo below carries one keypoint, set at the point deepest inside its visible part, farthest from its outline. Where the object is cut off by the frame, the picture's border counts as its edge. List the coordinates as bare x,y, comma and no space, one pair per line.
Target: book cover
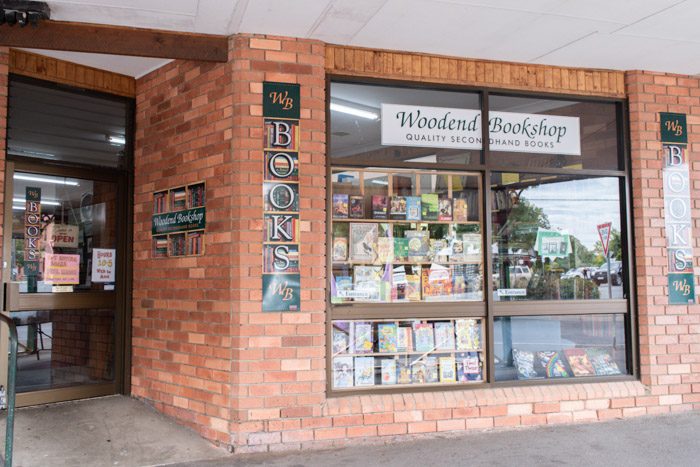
340,206
363,342
385,250
343,289
364,371
341,337
524,362
404,339
447,370
424,337
400,249
468,332
457,249
460,211
398,208
367,283
413,286
342,372
552,364
387,337
459,280
444,335
579,363
403,371
437,282
413,208
380,207
432,374
398,284
468,367
357,207
363,242
602,362
388,371
472,246
445,209
439,250
430,206
340,248
418,372
418,244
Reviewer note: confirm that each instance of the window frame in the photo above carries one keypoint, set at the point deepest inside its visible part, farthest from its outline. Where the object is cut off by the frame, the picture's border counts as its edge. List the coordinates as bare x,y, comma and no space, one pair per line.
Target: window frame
488,308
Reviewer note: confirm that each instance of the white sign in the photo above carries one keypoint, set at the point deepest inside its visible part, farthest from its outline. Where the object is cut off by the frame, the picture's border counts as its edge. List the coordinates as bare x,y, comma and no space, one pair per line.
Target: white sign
512,292
103,265
604,233
62,235
441,127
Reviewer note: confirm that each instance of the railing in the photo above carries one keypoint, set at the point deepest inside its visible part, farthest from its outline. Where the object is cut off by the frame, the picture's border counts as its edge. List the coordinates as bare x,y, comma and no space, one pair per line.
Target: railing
11,378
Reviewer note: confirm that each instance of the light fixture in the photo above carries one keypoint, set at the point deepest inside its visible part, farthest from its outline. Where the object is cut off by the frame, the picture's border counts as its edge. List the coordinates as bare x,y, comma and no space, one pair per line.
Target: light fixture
18,208
121,140
43,201
32,178
346,109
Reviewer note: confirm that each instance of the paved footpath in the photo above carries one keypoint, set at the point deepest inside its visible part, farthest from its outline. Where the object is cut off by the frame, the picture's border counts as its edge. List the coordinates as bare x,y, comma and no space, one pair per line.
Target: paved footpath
670,440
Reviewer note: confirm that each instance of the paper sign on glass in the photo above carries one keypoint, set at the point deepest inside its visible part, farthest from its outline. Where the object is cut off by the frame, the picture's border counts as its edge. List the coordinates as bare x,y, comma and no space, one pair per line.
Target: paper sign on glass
103,264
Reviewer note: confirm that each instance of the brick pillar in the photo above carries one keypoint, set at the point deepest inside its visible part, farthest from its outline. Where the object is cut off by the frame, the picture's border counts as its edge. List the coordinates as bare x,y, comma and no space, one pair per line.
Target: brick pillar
4,71
669,336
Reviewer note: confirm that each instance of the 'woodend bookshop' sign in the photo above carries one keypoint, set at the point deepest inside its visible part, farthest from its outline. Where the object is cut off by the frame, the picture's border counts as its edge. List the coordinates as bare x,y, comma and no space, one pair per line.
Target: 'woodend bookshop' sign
677,207
281,274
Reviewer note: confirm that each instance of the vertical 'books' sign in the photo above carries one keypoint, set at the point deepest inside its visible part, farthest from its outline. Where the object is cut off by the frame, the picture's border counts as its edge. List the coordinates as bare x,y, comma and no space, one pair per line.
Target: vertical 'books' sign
281,270
677,207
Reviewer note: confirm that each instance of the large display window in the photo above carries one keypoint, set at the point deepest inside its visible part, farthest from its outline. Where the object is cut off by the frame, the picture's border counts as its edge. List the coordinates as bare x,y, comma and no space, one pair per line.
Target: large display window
425,291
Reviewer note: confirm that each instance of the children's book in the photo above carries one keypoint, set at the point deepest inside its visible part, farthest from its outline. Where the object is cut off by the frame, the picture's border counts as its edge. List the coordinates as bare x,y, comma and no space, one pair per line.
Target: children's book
364,371
445,209
340,248
413,208
380,207
343,289
437,282
432,374
413,286
342,372
367,283
398,207
468,332
398,284
602,362
418,372
460,211
579,363
424,337
404,341
341,337
357,207
385,250
524,362
430,206
468,367
363,242
387,337
400,249
444,335
439,250
472,246
457,250
388,371
340,206
363,342
418,244
552,364
403,371
447,370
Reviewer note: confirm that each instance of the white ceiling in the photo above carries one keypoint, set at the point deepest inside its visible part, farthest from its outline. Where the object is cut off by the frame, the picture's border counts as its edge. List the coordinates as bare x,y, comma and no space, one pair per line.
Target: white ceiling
659,35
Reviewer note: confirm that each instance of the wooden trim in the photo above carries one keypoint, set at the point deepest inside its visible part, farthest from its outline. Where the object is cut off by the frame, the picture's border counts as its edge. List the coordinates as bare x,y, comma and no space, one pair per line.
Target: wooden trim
49,396
118,40
407,311
59,301
559,307
419,67
60,71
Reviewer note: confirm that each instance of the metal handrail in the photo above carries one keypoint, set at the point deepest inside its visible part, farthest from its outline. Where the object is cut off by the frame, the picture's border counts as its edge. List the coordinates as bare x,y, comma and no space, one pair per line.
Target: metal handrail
11,379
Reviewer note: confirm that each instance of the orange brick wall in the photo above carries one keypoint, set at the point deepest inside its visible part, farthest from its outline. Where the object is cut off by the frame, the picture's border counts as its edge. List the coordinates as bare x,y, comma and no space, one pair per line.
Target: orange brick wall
4,71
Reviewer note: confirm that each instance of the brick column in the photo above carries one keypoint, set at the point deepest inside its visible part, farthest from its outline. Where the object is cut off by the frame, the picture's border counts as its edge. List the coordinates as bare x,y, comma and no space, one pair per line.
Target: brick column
4,71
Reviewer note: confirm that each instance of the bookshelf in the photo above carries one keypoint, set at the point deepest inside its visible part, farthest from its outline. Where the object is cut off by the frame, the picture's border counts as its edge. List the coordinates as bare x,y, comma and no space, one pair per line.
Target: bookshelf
172,205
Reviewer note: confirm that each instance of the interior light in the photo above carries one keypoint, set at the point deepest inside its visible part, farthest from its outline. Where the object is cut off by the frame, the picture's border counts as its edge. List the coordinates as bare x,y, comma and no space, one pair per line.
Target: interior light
18,208
32,178
43,201
117,140
380,182
346,109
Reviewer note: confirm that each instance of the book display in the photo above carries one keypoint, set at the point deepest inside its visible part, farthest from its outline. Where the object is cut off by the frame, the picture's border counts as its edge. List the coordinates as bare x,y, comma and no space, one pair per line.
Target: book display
178,221
405,236
415,352
572,362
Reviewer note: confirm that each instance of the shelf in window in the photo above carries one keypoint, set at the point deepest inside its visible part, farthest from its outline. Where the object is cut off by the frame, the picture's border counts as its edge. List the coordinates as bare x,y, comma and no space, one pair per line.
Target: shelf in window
401,221
406,263
397,354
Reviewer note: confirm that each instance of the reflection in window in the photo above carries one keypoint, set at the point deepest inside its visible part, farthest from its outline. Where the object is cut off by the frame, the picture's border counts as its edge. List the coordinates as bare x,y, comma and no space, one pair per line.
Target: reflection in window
546,241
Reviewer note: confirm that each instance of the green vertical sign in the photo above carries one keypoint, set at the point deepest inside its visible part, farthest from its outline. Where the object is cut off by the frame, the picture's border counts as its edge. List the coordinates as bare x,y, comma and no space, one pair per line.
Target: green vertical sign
674,128
281,100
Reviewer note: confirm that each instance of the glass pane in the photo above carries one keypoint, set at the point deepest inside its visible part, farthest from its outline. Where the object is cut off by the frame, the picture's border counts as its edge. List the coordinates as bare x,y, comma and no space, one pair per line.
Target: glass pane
356,129
547,237
388,353
60,228
538,347
46,122
403,236
572,134
64,348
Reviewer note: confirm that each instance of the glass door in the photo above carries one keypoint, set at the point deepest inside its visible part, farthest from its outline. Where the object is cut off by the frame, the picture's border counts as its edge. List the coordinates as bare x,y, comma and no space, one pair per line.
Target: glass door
64,287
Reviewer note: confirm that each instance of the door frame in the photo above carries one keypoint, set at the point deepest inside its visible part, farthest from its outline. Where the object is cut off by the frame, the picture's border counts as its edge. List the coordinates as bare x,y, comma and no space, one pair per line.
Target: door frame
121,297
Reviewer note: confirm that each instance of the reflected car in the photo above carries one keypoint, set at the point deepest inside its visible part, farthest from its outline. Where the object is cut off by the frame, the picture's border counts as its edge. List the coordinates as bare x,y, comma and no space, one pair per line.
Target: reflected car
600,275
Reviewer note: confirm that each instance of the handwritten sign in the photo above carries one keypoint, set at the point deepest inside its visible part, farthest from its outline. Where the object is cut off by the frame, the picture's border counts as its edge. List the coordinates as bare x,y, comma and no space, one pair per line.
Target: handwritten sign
61,269
103,264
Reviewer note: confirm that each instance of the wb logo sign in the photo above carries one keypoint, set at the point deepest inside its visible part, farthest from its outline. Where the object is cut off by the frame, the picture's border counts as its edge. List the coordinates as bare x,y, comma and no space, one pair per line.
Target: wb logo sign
283,99
284,292
674,127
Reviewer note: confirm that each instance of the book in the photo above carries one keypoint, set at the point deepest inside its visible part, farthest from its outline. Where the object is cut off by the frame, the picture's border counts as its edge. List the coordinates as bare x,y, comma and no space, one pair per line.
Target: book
388,371
341,337
430,206
579,363
398,208
387,337
447,370
364,371
418,372
468,332
439,250
602,362
457,249
403,371
444,335
471,243
343,289
552,364
385,250
340,206
436,282
363,242
413,286
468,367
424,337
432,374
340,248
400,249
380,207
357,207
362,337
367,283
460,210
398,284
459,280
524,362
342,372
418,244
404,339
413,208
444,209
